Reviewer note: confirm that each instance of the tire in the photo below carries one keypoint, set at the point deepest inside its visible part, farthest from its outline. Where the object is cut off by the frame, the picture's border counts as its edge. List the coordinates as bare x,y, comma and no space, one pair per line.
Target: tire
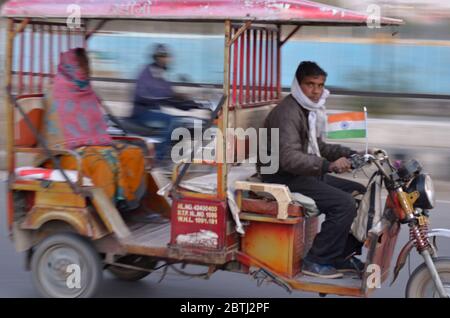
420,284
132,275
52,275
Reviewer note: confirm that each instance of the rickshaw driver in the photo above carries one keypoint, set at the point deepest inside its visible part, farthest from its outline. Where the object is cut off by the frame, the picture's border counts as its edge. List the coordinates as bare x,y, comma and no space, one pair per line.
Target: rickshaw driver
305,161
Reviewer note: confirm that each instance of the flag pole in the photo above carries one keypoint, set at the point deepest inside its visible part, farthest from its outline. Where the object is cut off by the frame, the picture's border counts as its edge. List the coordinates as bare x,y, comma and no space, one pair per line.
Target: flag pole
367,130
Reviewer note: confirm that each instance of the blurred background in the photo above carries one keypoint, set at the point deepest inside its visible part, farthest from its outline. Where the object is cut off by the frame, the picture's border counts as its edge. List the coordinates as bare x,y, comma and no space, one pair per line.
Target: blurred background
400,74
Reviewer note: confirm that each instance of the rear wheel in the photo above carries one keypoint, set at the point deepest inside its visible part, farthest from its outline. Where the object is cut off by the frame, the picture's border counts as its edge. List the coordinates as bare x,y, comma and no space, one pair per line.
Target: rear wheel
66,266
129,274
420,284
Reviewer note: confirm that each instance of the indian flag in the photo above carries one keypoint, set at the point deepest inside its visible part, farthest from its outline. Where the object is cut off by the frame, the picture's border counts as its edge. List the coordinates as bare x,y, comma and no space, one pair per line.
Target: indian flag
347,125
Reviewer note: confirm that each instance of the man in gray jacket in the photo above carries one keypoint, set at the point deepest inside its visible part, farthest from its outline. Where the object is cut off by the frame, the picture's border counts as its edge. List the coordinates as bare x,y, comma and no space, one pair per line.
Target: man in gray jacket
305,163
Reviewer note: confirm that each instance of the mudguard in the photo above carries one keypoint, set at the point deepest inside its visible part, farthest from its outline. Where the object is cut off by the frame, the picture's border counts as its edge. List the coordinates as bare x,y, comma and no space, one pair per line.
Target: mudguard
402,256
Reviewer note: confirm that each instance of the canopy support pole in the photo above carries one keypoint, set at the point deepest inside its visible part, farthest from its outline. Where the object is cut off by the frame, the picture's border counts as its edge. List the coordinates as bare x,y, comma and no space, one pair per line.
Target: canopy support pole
95,29
290,35
22,26
241,30
221,154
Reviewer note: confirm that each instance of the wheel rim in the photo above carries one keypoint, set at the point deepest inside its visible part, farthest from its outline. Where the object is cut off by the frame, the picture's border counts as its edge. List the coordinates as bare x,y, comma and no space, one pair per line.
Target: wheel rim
429,289
53,271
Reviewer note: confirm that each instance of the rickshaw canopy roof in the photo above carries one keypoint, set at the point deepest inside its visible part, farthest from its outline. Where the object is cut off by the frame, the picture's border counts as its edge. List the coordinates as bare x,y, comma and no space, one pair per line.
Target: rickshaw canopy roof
283,12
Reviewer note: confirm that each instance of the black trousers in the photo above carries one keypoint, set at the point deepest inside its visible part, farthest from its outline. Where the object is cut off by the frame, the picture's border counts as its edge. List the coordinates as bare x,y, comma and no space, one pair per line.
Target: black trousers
333,197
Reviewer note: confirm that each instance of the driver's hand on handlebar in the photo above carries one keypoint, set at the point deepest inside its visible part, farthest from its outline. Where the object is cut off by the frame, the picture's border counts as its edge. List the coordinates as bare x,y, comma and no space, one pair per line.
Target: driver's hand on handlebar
340,166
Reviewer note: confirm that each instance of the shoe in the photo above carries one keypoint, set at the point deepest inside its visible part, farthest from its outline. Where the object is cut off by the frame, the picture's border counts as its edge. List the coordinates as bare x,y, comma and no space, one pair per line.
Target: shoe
350,264
320,270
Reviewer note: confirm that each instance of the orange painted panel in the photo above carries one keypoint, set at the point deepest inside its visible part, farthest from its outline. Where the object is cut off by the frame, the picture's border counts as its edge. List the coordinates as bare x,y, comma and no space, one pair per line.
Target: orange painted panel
279,246
24,136
60,199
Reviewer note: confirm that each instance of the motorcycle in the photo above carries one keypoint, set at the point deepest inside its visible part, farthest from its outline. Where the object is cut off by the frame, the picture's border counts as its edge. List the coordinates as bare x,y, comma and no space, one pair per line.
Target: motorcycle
411,197
156,125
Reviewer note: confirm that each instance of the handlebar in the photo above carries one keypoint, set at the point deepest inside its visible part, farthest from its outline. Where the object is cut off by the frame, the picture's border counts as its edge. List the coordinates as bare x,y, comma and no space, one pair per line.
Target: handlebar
379,156
358,161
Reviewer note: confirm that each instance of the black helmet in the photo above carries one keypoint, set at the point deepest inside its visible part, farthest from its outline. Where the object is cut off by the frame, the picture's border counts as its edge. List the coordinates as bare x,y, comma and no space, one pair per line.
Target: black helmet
160,50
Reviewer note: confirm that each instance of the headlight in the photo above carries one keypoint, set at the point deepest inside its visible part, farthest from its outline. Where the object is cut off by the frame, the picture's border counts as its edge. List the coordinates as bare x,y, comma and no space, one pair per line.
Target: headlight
424,185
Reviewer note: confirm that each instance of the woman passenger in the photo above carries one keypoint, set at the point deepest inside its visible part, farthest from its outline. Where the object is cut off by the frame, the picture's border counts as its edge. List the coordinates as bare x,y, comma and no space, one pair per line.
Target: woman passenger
74,120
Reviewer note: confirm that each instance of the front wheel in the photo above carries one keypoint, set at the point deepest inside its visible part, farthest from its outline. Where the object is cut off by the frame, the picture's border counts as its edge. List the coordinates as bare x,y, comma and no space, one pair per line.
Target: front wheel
420,284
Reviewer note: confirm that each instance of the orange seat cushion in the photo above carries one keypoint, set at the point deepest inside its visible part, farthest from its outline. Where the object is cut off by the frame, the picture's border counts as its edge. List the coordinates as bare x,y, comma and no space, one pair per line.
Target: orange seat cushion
24,137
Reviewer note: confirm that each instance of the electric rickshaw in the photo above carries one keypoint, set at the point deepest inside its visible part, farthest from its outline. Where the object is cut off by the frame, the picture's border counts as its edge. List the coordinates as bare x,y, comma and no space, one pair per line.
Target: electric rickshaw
233,223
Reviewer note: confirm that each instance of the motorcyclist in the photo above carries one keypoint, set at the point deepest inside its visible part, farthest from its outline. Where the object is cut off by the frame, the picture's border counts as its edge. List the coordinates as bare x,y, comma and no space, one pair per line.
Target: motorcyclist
152,92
